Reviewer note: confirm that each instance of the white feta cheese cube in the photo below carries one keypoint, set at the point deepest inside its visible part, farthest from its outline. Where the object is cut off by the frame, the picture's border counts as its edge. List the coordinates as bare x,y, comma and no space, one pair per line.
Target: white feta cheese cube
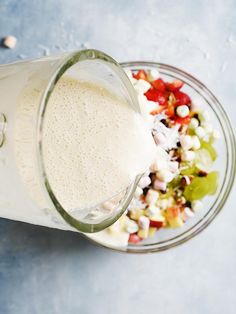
196,205
186,142
200,132
196,142
182,111
188,155
151,197
153,75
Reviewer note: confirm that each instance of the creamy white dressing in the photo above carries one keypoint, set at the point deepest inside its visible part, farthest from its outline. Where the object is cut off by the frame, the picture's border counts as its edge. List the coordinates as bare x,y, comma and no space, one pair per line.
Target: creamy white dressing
94,144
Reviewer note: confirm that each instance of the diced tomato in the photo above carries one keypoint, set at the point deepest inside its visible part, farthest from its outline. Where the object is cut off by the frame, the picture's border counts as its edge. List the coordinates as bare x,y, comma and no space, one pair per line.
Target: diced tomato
183,121
161,99
159,85
181,98
174,86
170,111
141,74
134,238
155,95
156,224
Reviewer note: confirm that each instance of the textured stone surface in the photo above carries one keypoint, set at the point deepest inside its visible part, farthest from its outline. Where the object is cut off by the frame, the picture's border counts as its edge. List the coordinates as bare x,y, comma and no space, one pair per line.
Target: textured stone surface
53,272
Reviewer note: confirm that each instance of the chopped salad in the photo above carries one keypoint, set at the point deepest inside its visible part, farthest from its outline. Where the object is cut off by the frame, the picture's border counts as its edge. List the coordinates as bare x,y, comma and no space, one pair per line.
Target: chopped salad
171,192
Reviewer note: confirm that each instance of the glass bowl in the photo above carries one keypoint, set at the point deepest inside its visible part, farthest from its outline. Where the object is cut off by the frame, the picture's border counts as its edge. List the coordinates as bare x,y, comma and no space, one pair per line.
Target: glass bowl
225,163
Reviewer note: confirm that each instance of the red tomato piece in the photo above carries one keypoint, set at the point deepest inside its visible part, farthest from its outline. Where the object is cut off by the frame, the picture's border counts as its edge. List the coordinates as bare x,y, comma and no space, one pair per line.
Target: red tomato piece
174,86
159,85
156,224
170,111
141,74
157,96
181,98
183,121
134,238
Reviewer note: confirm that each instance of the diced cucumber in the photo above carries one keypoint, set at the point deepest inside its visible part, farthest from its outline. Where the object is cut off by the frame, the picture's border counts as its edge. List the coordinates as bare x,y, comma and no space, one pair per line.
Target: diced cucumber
197,189
187,169
211,150
212,178
201,186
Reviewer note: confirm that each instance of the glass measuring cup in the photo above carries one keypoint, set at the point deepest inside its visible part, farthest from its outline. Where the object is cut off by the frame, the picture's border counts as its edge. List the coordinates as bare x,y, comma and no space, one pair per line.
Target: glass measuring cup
25,192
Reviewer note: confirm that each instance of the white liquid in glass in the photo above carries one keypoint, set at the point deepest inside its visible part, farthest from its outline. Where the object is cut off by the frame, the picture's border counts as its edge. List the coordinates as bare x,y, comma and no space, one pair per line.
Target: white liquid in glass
94,145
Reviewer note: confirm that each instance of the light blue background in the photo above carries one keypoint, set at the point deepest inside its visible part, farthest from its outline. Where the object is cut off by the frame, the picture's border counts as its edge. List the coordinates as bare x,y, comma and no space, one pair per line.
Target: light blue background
50,272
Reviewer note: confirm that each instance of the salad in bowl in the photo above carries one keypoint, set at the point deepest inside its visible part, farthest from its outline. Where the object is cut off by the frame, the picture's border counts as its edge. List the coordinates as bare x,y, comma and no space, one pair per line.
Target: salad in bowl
188,183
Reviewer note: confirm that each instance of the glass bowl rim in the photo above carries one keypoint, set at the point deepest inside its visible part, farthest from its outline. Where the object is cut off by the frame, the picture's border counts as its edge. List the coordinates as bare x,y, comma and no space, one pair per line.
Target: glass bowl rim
230,166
